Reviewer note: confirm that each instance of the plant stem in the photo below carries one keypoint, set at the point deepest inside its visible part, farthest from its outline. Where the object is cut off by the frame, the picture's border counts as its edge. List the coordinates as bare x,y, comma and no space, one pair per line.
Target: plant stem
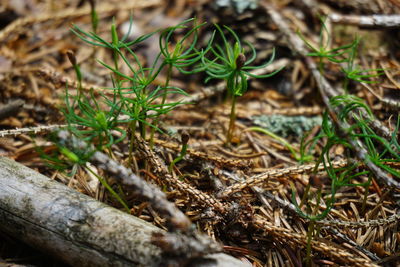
366,193
108,187
346,84
164,99
309,238
305,195
232,119
132,127
142,127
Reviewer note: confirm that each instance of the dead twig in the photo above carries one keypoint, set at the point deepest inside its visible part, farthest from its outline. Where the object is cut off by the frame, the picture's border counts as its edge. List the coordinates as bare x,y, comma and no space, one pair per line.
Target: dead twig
319,244
275,173
32,129
160,169
383,21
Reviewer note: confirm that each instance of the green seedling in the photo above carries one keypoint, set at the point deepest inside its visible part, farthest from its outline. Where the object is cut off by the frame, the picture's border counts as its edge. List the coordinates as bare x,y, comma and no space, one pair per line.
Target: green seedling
378,149
376,146
183,55
230,63
139,99
94,39
353,72
322,50
90,122
345,54
349,110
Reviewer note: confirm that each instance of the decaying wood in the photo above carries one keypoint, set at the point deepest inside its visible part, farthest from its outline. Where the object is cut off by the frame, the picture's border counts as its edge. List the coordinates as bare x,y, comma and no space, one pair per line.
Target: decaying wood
74,227
10,109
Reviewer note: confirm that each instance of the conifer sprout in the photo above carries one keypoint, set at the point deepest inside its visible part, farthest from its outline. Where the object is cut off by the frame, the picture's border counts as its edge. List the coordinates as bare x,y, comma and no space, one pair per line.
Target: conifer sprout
229,62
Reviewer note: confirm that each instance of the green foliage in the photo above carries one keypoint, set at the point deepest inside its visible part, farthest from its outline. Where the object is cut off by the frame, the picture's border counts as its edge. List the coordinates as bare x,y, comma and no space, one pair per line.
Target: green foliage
355,73
65,157
350,109
92,123
132,99
345,54
230,64
142,102
322,51
70,155
185,53
379,150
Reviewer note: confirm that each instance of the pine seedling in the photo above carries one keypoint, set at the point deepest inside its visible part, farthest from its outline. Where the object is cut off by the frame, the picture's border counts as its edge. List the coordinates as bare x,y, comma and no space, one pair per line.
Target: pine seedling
116,44
182,57
88,121
345,54
229,62
377,147
184,53
322,50
355,73
139,99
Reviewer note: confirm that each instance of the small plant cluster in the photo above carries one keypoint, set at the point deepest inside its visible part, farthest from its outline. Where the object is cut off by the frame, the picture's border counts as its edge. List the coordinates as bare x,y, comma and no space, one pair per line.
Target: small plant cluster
344,55
351,110
134,102
135,98
348,123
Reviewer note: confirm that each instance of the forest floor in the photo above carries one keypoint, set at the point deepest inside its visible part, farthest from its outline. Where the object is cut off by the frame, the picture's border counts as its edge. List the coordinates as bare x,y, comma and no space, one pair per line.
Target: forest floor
313,157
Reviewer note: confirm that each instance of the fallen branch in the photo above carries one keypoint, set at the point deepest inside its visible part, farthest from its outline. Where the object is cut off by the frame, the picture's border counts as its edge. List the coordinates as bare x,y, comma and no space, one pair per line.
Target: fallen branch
76,228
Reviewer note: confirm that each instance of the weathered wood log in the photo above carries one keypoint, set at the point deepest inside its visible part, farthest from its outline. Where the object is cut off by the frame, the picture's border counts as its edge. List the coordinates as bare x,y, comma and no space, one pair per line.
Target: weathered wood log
74,227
